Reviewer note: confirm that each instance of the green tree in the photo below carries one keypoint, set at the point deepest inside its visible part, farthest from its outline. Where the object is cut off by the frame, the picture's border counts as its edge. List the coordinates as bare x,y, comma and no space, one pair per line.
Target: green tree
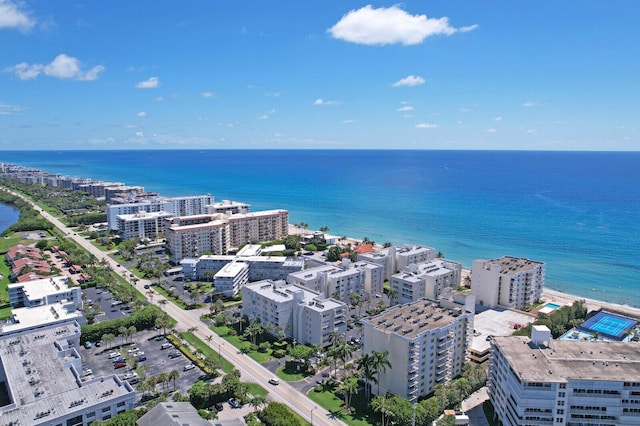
349,387
384,405
380,364
367,373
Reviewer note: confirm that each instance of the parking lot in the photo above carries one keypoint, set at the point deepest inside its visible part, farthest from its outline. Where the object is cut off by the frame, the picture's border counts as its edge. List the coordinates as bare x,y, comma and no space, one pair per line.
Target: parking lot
100,360
105,304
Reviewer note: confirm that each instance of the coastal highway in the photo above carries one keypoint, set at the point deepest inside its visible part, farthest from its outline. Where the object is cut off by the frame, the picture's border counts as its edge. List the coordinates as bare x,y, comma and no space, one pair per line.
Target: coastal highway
250,370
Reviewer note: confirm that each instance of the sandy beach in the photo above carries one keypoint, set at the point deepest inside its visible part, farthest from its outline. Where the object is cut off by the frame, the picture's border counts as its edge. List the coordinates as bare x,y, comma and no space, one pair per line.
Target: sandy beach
548,295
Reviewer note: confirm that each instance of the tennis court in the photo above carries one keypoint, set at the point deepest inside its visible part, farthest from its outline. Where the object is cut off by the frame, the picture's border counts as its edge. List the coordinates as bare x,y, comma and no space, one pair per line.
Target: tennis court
609,325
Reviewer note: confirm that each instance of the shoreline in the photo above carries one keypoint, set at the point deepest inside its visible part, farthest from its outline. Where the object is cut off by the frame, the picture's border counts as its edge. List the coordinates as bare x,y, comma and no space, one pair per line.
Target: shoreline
548,295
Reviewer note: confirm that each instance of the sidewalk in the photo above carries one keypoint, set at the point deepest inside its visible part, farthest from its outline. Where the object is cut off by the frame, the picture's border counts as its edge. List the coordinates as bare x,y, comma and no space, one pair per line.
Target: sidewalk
472,406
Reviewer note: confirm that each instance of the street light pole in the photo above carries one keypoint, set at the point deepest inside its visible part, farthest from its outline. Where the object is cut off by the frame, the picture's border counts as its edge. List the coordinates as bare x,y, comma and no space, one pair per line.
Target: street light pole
314,407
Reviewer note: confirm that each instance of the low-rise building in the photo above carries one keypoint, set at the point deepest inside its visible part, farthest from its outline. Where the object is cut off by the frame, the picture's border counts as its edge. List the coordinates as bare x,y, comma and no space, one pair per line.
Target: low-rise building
539,381
231,278
300,313
426,344
510,282
41,369
46,291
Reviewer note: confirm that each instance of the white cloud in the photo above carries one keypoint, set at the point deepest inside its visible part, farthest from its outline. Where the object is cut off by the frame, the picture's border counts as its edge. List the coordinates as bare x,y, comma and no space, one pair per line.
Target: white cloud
159,99
529,104
207,95
130,126
426,126
492,130
142,114
532,131
405,108
63,67
262,117
150,83
499,118
409,81
6,109
390,26
11,16
464,109
321,101
140,134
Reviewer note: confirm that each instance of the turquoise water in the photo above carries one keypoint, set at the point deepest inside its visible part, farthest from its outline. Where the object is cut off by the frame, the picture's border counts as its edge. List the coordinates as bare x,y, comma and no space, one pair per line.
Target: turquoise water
552,306
576,211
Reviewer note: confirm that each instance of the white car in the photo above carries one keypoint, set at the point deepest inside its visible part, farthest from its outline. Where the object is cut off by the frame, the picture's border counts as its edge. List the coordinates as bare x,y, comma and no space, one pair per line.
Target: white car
114,355
130,375
132,350
274,381
189,367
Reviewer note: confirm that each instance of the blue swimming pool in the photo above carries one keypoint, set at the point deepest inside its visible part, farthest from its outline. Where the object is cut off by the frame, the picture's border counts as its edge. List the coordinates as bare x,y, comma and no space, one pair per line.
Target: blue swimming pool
552,306
609,325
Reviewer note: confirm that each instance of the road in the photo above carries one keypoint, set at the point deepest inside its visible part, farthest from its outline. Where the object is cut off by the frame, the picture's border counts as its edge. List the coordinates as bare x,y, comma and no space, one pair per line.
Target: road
250,370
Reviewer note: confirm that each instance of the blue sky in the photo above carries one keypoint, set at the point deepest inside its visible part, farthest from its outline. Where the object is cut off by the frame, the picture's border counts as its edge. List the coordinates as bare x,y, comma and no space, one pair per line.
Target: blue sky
534,75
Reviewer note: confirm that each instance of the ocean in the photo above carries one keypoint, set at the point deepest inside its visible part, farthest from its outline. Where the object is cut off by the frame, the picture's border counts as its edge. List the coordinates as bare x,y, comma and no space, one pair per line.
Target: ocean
576,211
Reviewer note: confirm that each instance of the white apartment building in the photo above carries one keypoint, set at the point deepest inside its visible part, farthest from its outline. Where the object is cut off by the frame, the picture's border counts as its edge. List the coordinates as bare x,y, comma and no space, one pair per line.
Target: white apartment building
511,282
260,226
142,225
300,313
227,207
231,278
46,291
426,342
194,236
540,381
177,206
42,372
427,279
24,319
395,259
339,282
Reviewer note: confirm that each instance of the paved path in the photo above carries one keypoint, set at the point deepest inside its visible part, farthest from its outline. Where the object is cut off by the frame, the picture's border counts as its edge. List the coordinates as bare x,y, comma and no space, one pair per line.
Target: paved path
250,370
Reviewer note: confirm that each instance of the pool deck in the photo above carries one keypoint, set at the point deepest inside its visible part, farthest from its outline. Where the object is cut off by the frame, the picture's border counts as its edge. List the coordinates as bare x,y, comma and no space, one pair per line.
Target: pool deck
559,298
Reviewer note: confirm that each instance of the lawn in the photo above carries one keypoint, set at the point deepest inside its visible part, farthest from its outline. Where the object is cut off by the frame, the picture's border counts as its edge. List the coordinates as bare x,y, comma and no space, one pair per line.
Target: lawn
289,372
241,344
206,350
361,416
165,293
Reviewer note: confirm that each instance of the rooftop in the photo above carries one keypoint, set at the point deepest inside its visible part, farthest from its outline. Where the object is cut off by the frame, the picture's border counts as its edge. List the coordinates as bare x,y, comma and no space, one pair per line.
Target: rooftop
412,319
564,360
515,264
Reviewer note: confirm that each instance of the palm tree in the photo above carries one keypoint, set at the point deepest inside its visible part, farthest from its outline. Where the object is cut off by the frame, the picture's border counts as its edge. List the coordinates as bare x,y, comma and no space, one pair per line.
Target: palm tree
253,330
349,387
345,351
173,375
108,337
131,331
383,405
332,354
393,293
367,373
257,401
123,332
380,364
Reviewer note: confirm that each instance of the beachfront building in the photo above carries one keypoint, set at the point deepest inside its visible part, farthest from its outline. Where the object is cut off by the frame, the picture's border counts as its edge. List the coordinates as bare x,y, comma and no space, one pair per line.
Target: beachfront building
194,236
45,291
143,225
176,206
230,278
267,225
340,282
539,381
426,342
427,279
395,259
42,369
511,282
227,207
304,315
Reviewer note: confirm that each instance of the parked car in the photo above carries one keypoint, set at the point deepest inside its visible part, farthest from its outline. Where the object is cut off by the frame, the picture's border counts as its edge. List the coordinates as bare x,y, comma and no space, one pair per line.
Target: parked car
166,346
234,403
132,350
218,406
114,355
119,359
120,364
188,367
142,357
